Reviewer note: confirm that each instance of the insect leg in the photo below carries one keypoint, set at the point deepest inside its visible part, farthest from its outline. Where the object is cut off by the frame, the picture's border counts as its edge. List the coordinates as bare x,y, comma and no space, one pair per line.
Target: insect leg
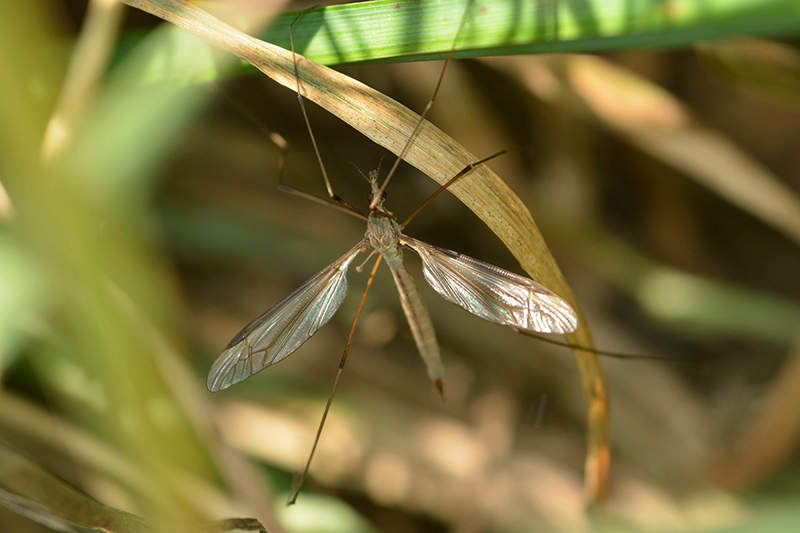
422,115
283,149
283,187
283,146
336,380
605,353
461,173
332,195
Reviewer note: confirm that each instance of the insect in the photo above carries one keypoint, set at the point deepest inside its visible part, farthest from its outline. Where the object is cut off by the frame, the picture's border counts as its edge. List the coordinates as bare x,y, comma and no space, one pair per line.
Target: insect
485,290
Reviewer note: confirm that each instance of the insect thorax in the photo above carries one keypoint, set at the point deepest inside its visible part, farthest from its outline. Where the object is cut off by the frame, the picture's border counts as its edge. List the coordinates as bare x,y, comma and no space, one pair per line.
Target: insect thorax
383,234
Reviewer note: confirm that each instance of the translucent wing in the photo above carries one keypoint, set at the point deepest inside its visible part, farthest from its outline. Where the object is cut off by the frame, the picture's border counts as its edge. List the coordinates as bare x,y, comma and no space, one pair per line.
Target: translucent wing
285,326
493,293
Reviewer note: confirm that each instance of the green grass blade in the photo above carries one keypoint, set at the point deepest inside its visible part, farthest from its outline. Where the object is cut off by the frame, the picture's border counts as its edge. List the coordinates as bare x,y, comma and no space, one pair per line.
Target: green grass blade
387,30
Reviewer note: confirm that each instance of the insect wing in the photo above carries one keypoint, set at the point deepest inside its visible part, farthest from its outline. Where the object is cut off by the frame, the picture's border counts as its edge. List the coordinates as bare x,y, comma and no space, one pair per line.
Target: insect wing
284,327
493,293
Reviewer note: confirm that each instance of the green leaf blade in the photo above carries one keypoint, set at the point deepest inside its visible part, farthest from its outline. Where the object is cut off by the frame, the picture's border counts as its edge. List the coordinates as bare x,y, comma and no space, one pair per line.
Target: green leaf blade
386,30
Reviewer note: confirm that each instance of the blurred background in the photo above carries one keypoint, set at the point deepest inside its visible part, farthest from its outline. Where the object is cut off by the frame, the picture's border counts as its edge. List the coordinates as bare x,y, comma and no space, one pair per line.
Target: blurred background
664,181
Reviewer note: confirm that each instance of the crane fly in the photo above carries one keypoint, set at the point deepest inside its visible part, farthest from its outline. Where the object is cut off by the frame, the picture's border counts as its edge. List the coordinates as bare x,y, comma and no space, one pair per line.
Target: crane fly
485,290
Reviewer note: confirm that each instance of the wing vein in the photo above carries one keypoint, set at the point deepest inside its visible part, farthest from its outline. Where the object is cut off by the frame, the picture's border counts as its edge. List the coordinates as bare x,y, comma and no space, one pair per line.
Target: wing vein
283,328
493,293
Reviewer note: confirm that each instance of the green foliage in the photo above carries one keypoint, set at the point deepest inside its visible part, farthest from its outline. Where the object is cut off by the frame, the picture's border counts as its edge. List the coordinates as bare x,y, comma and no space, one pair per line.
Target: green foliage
387,30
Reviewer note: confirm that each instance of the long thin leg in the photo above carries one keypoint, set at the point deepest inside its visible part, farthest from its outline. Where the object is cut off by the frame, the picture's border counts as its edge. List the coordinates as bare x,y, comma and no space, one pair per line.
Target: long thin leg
336,380
314,198
461,173
283,146
422,116
283,149
333,196
606,353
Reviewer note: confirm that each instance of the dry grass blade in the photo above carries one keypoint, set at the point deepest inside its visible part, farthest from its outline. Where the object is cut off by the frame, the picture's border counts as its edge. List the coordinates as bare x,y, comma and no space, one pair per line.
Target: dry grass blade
87,65
661,125
437,155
